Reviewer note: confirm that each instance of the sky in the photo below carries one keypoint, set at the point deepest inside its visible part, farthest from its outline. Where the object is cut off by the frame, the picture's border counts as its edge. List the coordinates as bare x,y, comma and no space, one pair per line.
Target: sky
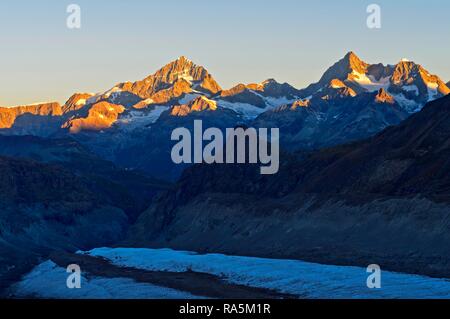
238,41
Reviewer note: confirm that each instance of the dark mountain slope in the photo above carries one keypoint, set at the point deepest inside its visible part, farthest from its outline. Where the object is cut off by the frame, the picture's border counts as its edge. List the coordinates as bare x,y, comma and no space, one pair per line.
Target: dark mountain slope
385,200
130,190
45,208
56,195
321,122
409,159
151,150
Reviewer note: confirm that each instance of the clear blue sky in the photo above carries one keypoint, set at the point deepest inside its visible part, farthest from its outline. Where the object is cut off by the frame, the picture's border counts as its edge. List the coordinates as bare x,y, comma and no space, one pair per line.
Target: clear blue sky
236,40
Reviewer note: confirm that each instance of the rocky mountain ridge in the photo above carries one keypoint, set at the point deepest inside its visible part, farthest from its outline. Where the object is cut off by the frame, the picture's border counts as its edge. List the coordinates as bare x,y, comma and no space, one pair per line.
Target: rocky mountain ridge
353,100
181,81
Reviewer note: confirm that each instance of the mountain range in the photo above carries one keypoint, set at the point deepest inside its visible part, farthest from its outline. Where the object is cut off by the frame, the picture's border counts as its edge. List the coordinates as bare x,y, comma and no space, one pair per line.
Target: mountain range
353,100
363,170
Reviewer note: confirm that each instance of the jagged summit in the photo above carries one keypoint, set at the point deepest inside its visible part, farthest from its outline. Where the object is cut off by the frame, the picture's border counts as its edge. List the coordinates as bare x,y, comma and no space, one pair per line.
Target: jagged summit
414,77
131,122
181,81
405,70
410,84
348,69
354,63
180,70
341,70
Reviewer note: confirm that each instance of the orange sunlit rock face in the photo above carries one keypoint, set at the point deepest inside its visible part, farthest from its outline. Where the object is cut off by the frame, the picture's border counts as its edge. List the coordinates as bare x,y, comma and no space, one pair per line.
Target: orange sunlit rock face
407,72
300,104
170,76
9,115
76,102
179,88
384,97
197,105
354,63
234,90
257,87
100,116
337,84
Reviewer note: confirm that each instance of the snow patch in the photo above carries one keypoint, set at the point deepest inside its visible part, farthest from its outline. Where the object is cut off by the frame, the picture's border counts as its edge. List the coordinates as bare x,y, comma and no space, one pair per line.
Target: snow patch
114,92
141,118
278,101
362,79
188,78
247,111
188,98
107,94
410,88
81,102
409,106
370,83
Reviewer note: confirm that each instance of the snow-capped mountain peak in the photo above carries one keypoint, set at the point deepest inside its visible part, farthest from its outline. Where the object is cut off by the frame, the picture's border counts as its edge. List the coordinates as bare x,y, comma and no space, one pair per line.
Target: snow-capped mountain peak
409,83
345,69
168,84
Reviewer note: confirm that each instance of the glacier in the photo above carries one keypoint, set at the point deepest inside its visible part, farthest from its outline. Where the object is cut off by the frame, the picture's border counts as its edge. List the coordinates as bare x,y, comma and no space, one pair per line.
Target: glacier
302,279
48,281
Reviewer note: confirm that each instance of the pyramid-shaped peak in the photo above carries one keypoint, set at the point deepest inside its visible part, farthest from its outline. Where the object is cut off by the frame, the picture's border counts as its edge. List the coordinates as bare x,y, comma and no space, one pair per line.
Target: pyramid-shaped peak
353,62
181,68
348,65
